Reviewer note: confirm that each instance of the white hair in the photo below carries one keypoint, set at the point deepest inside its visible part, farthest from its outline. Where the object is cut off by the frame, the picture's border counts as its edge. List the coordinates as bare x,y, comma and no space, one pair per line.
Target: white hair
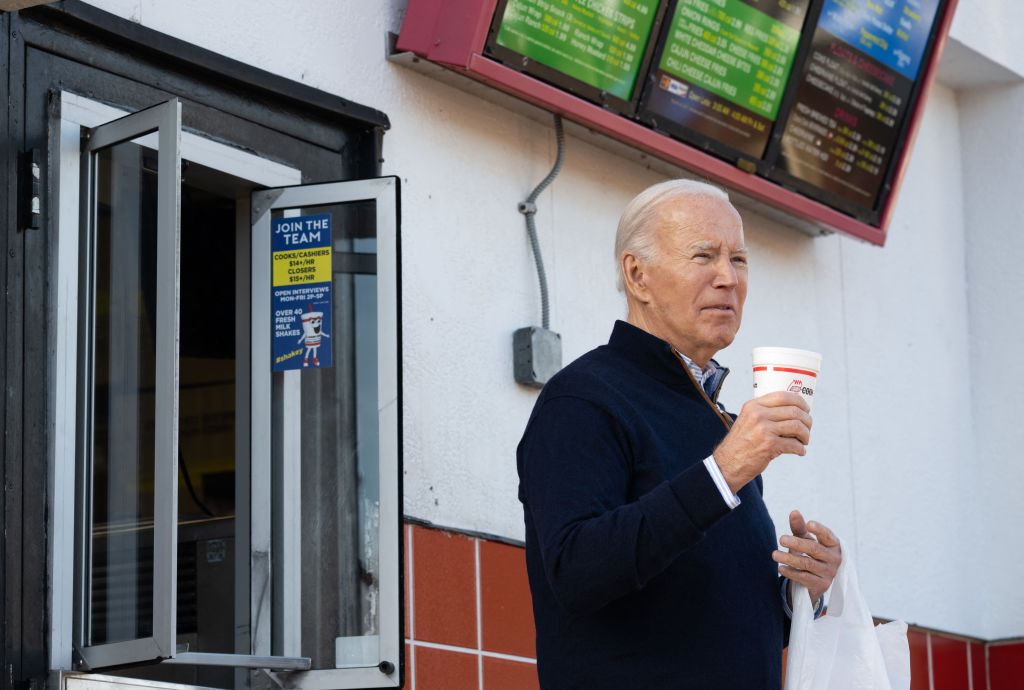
636,226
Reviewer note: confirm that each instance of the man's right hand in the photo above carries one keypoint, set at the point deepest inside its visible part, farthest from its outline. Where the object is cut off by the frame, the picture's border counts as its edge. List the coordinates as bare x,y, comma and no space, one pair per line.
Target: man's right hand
766,427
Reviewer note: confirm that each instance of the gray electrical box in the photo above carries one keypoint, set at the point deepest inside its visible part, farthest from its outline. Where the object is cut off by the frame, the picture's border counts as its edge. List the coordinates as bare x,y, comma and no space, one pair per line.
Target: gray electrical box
537,355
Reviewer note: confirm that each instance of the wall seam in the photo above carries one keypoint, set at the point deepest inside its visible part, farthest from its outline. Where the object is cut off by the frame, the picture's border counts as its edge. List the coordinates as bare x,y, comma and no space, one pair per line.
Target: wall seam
467,650
412,608
479,617
980,476
846,393
988,671
970,671
931,673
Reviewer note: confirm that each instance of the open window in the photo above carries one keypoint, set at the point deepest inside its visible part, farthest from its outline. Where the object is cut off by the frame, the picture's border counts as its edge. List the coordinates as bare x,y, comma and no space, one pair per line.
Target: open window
129,373
231,516
320,251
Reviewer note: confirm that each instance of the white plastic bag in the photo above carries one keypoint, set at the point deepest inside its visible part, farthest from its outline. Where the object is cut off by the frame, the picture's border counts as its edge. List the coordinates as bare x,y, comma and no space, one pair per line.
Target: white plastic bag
843,650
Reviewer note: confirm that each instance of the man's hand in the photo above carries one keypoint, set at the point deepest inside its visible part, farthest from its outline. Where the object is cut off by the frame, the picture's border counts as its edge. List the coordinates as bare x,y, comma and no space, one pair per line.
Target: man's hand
813,558
766,428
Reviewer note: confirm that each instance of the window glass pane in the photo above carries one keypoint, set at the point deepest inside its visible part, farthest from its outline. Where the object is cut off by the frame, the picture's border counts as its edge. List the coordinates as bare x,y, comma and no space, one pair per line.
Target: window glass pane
338,422
207,578
208,574
121,602
121,572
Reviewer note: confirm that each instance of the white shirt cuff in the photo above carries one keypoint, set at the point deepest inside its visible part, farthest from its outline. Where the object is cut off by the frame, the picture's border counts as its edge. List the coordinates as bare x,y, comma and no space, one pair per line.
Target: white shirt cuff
731,499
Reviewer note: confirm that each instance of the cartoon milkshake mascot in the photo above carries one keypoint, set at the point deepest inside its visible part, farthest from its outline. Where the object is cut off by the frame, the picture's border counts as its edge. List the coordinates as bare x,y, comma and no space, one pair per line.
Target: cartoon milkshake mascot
311,333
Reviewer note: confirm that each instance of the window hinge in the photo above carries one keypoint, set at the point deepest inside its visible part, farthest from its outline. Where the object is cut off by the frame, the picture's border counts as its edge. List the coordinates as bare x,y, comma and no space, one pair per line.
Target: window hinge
29,199
78,661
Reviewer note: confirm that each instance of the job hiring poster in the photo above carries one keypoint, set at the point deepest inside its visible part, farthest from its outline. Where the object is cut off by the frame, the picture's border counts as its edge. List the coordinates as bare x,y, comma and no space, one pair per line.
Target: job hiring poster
854,93
301,290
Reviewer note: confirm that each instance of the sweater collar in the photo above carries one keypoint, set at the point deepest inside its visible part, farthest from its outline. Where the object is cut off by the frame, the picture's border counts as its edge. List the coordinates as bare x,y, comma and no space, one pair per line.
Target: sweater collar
657,358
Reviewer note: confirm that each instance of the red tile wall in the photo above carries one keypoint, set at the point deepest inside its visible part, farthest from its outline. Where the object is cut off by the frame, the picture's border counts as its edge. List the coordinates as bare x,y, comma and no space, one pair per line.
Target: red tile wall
979,666
503,674
949,663
919,676
469,625
441,668
1006,665
443,588
505,608
959,663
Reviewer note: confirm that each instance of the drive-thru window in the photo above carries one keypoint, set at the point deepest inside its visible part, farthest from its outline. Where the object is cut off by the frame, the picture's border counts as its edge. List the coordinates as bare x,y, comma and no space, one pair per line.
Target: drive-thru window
219,265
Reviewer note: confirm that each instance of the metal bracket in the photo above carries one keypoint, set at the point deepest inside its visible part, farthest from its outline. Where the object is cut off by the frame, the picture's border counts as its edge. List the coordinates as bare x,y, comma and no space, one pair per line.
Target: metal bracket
278,663
29,179
527,208
263,679
78,659
261,201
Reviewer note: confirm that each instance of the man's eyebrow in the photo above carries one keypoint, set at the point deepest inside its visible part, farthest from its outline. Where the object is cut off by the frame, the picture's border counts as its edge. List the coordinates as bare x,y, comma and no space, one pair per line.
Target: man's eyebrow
704,245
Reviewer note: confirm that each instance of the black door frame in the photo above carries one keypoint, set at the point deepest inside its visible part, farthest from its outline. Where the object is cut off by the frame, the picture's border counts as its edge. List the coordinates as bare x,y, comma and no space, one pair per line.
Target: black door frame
73,46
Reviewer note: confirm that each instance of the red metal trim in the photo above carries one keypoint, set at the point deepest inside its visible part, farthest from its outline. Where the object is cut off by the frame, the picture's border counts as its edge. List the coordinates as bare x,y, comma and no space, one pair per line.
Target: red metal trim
636,135
447,32
453,33
417,33
462,31
931,69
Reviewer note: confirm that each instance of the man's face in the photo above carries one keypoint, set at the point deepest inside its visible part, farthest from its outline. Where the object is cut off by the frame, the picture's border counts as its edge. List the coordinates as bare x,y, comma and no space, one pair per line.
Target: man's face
693,291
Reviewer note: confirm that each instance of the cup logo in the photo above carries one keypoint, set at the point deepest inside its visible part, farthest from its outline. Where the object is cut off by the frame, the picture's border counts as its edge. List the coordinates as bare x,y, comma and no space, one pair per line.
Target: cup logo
785,369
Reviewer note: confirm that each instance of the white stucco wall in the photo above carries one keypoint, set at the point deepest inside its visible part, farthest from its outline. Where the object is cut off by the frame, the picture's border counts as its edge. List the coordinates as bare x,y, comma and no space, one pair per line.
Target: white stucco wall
992,196
913,454
991,29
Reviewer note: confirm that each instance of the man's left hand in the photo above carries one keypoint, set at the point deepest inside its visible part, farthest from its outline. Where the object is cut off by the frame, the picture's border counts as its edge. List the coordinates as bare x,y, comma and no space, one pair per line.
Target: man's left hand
813,558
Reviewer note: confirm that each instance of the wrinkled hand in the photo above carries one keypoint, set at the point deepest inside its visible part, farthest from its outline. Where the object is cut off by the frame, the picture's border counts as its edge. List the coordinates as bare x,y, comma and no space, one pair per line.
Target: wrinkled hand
766,428
813,557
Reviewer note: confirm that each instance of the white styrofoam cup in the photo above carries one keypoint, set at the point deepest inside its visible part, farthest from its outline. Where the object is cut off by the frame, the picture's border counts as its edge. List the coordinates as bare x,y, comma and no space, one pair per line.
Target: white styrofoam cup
786,369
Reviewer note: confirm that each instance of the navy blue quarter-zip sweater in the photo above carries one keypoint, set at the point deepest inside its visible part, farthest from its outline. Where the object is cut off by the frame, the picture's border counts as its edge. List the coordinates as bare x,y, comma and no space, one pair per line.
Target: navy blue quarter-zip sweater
641,576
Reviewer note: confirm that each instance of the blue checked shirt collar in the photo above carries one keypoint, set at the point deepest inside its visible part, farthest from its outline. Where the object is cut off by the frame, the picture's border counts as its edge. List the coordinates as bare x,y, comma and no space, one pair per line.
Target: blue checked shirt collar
702,376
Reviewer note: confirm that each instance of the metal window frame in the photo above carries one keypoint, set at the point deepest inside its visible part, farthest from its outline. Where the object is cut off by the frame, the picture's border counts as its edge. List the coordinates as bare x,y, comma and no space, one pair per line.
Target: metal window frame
384,191
67,586
165,121
67,590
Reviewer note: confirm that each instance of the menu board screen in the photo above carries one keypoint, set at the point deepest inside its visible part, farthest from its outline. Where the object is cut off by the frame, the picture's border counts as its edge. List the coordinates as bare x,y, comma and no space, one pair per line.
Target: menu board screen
723,69
894,32
601,43
813,95
853,96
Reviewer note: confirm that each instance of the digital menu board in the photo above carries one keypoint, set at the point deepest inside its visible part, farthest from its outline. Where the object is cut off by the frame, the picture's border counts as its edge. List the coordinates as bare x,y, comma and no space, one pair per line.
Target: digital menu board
852,98
722,69
814,95
595,48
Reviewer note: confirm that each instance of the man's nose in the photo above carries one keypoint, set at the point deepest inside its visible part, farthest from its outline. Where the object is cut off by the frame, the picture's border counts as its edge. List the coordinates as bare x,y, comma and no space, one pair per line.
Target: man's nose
725,273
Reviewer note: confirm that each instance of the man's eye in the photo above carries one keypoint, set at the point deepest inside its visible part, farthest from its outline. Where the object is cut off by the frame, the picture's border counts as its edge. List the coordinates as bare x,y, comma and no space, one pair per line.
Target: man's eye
702,255
741,260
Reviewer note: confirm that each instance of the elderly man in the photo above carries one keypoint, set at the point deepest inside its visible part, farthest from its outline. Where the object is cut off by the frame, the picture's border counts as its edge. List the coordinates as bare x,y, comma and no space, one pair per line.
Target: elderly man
652,560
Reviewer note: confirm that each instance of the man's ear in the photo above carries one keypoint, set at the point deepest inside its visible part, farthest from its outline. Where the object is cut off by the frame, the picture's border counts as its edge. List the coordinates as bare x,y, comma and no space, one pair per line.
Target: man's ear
634,276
